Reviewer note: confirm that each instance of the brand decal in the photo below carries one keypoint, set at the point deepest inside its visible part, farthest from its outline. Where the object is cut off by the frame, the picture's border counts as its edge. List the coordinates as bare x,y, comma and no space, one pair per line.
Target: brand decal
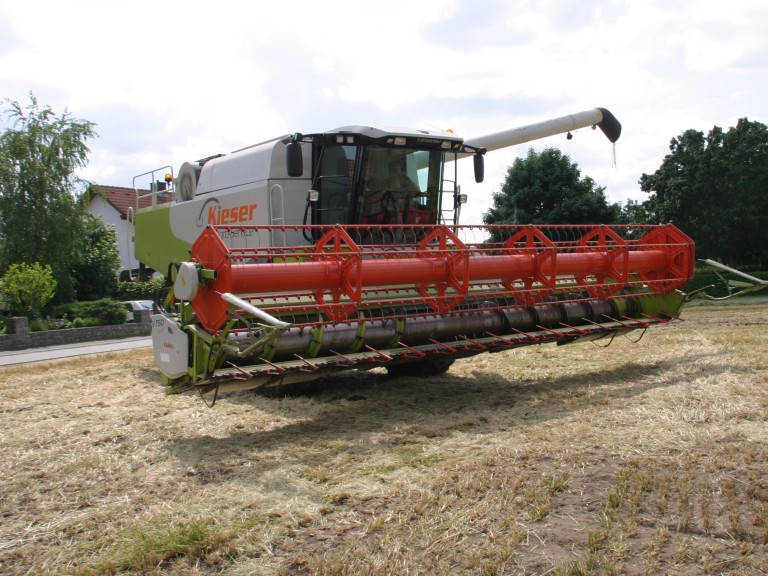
213,214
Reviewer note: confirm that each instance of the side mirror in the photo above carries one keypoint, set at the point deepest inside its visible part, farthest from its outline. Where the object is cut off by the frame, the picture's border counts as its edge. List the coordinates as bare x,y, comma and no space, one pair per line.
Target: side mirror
294,159
479,167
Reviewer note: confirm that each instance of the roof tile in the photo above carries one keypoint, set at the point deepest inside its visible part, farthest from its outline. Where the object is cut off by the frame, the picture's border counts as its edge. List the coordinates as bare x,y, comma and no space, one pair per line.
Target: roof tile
124,198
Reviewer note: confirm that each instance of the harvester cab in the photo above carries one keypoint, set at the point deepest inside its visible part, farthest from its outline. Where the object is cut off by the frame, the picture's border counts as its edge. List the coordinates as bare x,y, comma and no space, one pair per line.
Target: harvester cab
314,253
370,176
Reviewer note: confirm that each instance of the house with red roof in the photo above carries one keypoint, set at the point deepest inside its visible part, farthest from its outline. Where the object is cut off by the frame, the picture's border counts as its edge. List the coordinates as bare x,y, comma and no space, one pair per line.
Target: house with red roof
116,206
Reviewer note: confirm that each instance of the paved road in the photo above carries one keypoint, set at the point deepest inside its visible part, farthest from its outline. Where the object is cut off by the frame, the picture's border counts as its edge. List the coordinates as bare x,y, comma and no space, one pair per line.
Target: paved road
10,357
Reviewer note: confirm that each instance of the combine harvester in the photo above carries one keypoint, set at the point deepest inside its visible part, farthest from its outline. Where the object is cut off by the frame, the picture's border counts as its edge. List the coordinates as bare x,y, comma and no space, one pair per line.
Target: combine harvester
314,253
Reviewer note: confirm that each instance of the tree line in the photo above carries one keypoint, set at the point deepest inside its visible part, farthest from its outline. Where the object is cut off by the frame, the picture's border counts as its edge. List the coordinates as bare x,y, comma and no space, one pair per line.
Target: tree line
714,188
51,248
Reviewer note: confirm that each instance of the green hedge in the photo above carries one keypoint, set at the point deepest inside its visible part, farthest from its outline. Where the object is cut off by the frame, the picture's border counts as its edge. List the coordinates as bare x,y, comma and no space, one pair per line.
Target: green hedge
139,290
49,323
92,313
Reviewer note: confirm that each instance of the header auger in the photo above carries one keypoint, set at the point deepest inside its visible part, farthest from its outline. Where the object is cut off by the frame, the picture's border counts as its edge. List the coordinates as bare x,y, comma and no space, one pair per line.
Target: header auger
314,253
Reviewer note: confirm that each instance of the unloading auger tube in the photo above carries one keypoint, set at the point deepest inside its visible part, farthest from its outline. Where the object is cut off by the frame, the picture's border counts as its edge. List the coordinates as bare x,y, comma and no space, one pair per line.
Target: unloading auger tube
265,316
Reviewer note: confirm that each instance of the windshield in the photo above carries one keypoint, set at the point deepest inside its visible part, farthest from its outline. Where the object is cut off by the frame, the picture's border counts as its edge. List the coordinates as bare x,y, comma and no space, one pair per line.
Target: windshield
380,185
399,186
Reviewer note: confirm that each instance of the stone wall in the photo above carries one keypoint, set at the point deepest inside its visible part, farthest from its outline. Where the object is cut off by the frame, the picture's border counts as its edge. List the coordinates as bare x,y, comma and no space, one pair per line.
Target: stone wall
18,336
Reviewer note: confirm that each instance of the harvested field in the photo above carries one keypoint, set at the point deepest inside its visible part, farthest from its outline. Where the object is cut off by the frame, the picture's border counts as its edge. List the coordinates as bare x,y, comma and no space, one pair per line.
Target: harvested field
639,458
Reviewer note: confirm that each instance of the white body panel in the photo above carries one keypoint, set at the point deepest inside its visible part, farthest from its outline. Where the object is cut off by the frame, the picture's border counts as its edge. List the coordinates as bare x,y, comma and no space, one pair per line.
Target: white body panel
248,187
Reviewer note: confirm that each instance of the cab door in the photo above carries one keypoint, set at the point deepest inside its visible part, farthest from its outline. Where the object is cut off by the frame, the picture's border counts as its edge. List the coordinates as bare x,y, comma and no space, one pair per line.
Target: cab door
336,169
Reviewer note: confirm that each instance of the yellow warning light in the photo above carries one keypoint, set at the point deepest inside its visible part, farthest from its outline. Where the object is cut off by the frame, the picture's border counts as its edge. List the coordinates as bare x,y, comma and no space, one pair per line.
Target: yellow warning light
168,177
450,130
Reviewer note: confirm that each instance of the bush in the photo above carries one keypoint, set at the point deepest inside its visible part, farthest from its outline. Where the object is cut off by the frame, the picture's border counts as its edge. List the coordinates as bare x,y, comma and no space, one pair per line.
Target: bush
139,290
38,325
86,322
104,311
58,323
27,288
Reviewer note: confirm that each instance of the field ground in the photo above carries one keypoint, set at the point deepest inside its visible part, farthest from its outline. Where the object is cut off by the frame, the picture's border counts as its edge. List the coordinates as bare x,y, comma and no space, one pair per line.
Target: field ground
637,458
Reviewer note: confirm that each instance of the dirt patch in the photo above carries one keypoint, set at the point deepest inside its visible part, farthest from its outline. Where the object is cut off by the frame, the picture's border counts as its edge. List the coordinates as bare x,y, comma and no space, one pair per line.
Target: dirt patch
640,458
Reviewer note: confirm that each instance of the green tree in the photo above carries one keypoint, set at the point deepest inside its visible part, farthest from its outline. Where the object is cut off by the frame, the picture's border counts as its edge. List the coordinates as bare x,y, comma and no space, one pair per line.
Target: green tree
547,188
633,212
715,188
95,270
28,288
40,218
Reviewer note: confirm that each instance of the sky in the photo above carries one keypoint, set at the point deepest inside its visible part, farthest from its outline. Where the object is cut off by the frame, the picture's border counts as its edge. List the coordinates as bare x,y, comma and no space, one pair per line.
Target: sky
173,81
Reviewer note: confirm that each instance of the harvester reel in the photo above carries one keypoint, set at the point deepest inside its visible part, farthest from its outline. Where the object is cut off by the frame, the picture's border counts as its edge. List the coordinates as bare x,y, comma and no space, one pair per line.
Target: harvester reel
680,260
456,257
344,300
532,242
604,284
415,307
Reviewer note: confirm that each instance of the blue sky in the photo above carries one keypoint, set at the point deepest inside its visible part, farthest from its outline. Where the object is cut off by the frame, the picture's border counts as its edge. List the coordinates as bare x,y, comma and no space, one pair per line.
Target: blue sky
172,81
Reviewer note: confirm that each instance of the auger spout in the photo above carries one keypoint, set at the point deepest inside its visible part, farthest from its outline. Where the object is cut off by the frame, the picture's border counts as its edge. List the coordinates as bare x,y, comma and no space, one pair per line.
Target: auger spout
596,117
